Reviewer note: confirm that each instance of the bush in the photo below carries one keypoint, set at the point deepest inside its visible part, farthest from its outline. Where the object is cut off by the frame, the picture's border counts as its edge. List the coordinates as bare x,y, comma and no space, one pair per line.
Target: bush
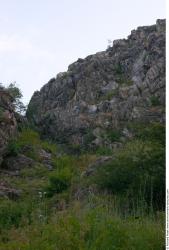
88,137
13,148
154,100
29,141
118,69
59,181
49,147
154,132
12,213
137,170
103,151
26,137
113,135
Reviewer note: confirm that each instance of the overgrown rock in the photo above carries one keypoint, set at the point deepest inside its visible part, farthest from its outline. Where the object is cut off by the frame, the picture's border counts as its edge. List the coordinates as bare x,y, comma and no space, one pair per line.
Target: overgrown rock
8,123
17,162
8,192
92,168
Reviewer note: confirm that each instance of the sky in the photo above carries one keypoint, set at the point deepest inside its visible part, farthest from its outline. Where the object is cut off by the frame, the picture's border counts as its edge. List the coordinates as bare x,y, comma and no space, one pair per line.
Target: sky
40,38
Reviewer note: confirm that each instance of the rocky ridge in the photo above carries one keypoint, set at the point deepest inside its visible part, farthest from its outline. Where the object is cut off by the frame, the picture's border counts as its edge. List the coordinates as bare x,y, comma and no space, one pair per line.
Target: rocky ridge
105,91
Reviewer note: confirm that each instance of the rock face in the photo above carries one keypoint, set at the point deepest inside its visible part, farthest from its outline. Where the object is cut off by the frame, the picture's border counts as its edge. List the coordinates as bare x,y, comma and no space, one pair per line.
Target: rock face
17,162
125,83
8,123
9,192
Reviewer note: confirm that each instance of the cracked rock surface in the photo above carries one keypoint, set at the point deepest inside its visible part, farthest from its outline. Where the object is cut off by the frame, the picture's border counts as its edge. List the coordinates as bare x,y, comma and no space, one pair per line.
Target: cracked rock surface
125,83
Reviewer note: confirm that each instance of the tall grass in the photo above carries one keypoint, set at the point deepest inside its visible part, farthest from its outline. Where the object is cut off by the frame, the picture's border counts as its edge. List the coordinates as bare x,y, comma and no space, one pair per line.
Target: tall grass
117,208
94,228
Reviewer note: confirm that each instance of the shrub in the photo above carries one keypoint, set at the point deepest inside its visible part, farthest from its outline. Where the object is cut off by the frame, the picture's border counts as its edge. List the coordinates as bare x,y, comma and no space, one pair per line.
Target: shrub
138,170
121,77
12,213
49,147
113,135
154,100
88,138
65,161
59,181
118,69
103,150
154,132
13,148
29,141
26,137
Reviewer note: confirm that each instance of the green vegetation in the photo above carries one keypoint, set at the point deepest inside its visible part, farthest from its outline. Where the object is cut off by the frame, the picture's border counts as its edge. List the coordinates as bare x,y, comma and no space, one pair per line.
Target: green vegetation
138,171
118,69
88,137
113,135
30,140
1,114
59,181
13,213
118,206
16,94
109,95
103,150
121,78
154,101
154,132
95,229
13,147
124,81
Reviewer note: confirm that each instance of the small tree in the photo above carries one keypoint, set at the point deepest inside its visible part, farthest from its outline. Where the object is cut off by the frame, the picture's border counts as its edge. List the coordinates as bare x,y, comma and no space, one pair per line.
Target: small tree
16,93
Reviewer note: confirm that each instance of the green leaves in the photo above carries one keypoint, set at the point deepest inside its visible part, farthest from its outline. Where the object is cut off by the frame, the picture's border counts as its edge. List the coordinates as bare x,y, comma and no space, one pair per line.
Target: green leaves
16,94
59,181
137,167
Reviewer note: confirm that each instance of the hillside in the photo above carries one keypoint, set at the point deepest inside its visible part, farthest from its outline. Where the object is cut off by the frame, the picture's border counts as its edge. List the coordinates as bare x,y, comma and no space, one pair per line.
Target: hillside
85,169
105,91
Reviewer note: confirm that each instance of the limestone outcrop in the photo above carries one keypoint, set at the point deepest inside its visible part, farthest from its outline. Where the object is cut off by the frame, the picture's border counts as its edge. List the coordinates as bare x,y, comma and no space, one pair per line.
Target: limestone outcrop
105,91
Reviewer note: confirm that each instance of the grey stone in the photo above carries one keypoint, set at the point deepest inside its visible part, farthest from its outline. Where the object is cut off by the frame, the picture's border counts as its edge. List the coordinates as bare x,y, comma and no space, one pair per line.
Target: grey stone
17,162
101,161
104,90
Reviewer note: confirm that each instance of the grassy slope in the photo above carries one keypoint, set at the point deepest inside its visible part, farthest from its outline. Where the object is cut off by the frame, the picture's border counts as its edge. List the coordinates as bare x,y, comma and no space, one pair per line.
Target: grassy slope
50,215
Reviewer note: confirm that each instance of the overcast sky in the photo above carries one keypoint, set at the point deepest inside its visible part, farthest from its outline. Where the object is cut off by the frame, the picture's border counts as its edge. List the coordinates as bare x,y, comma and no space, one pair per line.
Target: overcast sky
40,38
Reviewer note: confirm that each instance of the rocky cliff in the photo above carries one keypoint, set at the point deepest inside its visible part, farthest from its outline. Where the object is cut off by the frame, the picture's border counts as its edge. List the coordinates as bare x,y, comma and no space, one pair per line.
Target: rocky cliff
105,91
8,121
